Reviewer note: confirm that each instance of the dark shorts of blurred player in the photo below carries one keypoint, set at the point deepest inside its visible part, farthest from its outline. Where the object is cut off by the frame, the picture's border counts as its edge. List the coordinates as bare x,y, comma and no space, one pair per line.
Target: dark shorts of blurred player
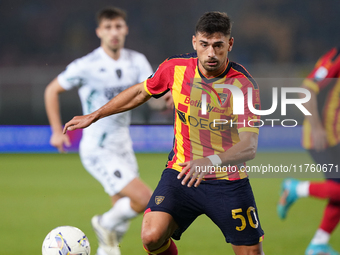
329,157
229,204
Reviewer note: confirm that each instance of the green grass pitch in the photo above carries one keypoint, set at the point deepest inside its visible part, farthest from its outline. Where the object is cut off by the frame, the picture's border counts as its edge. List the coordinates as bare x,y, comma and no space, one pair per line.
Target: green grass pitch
41,191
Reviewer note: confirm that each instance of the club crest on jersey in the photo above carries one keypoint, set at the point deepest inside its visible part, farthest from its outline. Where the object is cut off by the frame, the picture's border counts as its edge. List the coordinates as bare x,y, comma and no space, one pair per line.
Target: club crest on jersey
223,97
159,199
117,174
119,73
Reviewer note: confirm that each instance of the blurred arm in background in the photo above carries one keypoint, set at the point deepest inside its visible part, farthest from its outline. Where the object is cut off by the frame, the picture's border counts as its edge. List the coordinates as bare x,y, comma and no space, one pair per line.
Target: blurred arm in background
58,139
318,131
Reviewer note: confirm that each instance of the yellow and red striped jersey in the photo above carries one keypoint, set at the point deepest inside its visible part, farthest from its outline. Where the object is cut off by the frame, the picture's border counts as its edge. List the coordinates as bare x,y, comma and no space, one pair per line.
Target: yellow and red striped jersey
324,80
200,132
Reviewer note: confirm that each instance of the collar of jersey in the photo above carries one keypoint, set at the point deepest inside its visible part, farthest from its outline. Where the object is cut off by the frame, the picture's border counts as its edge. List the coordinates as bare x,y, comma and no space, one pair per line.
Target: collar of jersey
214,79
102,52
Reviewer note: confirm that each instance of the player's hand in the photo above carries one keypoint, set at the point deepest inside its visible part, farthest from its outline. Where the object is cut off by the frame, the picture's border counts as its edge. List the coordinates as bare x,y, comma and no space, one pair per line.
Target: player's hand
79,122
195,169
319,138
58,140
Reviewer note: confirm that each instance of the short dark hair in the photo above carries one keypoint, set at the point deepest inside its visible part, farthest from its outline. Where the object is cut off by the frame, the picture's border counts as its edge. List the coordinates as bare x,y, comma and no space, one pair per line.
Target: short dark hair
111,13
214,22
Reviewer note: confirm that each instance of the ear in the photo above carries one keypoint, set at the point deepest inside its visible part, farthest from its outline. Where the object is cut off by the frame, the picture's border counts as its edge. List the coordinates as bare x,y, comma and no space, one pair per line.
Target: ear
194,42
98,32
231,43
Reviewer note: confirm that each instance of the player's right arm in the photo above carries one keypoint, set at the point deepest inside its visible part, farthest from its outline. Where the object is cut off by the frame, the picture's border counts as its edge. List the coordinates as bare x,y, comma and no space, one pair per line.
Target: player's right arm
156,85
124,101
52,91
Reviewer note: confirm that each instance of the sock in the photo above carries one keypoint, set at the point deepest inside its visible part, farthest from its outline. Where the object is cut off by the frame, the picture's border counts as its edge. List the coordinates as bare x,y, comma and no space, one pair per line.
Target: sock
330,217
320,237
100,251
118,214
328,189
169,248
302,189
123,226
121,229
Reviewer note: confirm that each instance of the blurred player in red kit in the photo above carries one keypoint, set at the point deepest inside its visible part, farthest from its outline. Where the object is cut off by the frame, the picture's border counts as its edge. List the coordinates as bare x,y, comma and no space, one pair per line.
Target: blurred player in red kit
321,137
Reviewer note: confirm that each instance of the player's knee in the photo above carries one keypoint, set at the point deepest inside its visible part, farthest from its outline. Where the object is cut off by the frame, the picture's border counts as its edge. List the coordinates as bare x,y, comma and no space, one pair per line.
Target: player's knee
151,239
249,250
255,251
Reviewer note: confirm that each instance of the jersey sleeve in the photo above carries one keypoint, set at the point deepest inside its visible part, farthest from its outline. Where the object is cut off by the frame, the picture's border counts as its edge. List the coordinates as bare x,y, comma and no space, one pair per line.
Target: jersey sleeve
72,76
249,122
160,81
327,67
145,69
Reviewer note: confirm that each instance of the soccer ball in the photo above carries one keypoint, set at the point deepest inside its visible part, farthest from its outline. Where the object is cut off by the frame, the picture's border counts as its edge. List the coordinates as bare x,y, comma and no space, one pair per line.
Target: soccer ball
66,240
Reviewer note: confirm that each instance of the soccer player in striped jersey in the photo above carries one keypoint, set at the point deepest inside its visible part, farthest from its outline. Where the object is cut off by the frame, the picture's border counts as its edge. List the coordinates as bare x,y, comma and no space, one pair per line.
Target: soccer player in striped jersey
321,137
205,170
106,148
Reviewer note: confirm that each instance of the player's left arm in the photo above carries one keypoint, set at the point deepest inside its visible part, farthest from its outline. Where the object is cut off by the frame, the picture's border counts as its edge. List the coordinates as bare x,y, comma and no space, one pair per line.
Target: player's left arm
318,131
241,152
124,101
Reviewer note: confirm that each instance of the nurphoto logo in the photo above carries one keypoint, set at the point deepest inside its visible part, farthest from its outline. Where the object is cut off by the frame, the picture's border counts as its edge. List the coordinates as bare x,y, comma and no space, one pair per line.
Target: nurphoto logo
238,104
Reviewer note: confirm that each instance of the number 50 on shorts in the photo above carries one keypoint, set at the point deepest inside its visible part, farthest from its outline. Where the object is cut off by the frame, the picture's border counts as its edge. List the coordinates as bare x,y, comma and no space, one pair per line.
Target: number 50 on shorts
237,214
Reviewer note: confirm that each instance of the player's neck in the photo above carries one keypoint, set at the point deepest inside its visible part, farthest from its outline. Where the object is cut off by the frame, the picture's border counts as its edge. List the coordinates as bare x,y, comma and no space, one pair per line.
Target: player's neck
114,54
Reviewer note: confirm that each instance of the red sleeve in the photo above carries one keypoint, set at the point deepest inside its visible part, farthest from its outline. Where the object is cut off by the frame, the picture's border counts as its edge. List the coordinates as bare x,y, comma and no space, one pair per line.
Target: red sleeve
327,67
161,81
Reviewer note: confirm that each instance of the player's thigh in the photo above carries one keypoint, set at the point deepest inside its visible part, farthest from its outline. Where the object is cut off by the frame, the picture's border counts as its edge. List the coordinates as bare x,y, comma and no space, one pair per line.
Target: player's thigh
233,209
248,249
138,192
184,204
157,227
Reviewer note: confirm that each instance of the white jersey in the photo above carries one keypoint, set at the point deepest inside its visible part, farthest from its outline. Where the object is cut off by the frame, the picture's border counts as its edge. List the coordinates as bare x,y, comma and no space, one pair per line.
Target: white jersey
106,147
99,78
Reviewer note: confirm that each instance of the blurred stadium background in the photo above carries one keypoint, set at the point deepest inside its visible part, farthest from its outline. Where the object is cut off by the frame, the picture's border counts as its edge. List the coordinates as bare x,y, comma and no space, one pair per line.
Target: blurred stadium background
273,38
278,41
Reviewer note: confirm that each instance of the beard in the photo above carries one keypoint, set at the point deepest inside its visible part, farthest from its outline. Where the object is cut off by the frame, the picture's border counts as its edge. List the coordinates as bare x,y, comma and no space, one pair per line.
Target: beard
116,45
211,68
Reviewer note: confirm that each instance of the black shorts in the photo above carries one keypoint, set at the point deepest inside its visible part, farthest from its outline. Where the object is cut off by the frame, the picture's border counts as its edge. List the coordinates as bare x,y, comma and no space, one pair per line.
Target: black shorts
329,157
229,204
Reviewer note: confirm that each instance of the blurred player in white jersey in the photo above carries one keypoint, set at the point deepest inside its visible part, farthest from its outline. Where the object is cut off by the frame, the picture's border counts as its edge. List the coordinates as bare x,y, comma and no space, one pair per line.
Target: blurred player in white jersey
106,148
